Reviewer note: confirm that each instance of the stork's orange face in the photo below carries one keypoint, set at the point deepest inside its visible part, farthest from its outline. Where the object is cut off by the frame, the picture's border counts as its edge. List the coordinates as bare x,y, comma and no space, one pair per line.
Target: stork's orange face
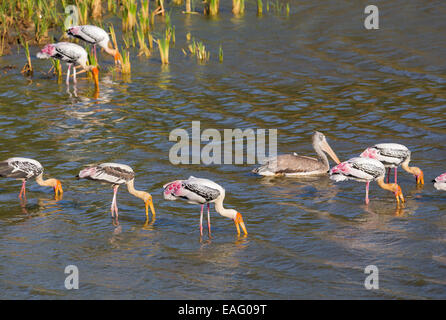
118,58
419,176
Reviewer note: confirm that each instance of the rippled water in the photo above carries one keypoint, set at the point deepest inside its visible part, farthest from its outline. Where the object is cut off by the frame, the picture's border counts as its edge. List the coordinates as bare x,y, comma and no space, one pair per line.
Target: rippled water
318,69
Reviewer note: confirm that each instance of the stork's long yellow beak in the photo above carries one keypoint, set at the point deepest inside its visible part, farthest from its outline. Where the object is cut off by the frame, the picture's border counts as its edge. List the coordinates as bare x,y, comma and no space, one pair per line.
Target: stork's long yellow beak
149,203
399,195
239,223
58,188
420,177
95,72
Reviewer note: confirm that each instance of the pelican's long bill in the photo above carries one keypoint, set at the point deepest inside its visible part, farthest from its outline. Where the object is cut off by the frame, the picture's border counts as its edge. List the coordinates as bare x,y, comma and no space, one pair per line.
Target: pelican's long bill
326,147
239,223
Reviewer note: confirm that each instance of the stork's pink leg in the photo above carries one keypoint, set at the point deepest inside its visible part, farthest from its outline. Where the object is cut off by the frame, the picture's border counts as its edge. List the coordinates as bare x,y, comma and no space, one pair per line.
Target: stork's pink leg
68,74
94,49
201,220
209,222
396,168
388,175
114,206
367,193
23,190
74,75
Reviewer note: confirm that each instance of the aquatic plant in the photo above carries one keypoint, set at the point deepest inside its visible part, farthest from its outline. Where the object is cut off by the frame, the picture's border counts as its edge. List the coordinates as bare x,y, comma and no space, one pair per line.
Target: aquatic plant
129,15
198,49
143,49
211,7
126,67
83,11
57,68
144,16
259,8
28,68
163,45
220,54
238,7
96,9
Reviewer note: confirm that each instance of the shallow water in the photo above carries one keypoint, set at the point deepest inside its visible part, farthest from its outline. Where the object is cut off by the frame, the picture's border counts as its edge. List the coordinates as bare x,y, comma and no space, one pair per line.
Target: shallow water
318,69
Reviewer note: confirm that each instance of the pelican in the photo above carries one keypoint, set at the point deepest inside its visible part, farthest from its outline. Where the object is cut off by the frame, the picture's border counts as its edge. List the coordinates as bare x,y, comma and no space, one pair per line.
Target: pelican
365,170
203,191
72,54
117,174
440,182
24,169
392,155
295,165
95,36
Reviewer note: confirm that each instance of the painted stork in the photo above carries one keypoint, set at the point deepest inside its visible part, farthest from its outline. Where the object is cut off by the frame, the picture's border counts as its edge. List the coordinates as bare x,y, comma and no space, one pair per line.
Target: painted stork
365,170
95,36
393,155
203,191
72,54
295,165
440,182
24,169
117,174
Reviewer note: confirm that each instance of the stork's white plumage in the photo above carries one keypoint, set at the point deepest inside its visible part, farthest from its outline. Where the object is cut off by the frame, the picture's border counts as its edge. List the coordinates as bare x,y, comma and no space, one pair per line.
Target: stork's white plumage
95,36
393,155
117,174
25,169
72,54
365,170
203,191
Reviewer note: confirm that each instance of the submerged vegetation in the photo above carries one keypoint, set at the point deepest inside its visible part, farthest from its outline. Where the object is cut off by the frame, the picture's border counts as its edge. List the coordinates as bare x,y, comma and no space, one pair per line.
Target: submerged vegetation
38,22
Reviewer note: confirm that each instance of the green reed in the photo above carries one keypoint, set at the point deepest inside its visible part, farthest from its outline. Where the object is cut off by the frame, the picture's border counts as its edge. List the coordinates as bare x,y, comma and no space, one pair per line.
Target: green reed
163,45
238,7
211,7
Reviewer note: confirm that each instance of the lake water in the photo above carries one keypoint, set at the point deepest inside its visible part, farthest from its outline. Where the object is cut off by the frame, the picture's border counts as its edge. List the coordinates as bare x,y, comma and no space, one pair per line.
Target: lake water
318,69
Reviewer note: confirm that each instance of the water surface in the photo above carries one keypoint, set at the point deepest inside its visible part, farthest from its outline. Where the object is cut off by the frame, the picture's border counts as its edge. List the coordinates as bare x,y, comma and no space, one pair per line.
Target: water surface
317,69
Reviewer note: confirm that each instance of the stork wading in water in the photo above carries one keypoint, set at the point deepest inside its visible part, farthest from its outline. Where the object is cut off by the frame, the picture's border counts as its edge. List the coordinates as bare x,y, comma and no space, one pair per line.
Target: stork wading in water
203,191
365,170
117,174
72,54
96,36
295,165
392,155
440,182
25,169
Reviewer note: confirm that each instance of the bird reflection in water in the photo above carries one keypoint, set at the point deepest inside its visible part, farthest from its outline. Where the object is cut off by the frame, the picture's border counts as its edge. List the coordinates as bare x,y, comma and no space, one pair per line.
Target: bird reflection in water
44,207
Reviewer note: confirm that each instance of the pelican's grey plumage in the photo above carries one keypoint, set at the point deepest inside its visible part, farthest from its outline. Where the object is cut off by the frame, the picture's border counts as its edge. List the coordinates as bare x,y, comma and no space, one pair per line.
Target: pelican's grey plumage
203,191
365,170
117,174
393,155
25,169
295,165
